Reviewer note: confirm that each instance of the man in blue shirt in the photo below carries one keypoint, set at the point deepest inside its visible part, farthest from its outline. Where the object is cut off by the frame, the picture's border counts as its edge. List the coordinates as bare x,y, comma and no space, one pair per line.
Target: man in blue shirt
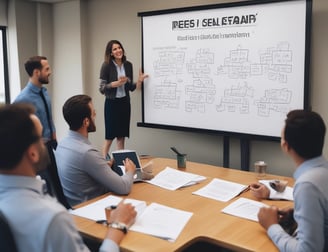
38,222
302,139
38,70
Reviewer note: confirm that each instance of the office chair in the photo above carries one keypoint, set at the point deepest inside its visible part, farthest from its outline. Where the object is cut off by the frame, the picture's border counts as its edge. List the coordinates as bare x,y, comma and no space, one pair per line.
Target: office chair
7,242
50,175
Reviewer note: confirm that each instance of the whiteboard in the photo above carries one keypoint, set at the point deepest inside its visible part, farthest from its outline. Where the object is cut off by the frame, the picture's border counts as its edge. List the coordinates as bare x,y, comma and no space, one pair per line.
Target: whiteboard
235,68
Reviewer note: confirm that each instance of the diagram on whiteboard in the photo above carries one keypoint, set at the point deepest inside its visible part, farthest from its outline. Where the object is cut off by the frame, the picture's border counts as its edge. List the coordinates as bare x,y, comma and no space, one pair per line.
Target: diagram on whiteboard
172,91
275,62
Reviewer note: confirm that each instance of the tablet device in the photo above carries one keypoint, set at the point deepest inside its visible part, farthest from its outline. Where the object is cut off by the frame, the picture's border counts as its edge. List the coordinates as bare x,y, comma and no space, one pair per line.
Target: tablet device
121,155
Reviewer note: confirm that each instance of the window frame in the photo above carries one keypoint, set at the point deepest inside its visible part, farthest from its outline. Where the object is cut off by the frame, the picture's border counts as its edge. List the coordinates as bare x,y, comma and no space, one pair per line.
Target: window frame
3,30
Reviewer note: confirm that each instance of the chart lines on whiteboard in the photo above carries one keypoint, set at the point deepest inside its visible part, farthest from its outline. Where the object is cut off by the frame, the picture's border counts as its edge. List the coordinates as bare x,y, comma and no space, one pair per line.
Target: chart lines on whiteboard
195,83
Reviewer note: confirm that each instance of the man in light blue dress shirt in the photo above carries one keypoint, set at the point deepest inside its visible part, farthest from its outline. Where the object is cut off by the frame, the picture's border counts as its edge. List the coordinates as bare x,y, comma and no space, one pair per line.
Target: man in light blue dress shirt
302,139
38,222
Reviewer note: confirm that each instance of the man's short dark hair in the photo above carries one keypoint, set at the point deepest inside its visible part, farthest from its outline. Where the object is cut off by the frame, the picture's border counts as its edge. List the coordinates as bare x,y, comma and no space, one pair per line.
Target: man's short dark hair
305,133
17,133
34,63
76,109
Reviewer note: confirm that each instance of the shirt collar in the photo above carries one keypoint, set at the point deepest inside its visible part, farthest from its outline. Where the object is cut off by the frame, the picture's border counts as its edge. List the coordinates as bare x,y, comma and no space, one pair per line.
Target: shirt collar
35,88
76,135
309,164
23,182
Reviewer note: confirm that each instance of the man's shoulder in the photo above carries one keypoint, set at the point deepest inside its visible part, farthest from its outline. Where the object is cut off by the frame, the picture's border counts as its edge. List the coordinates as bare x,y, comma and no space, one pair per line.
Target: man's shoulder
75,143
23,96
26,95
315,173
316,177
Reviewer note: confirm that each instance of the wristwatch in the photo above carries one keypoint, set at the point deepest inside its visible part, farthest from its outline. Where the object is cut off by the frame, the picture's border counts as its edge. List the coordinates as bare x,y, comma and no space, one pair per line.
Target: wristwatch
120,226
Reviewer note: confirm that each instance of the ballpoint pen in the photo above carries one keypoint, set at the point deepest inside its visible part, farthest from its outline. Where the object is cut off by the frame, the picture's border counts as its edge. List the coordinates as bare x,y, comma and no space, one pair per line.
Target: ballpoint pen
245,190
103,222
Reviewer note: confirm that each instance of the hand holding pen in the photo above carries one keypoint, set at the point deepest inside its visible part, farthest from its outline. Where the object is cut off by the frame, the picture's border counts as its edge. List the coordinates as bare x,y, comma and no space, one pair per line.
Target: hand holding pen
268,216
259,190
123,213
119,219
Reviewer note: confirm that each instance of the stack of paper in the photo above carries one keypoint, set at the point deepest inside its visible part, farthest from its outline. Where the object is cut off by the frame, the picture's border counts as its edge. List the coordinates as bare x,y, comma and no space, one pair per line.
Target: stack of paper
161,221
244,208
173,179
221,190
157,220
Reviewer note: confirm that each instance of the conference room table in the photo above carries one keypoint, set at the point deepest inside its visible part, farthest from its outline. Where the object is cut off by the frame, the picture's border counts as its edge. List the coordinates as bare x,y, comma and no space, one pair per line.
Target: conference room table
208,225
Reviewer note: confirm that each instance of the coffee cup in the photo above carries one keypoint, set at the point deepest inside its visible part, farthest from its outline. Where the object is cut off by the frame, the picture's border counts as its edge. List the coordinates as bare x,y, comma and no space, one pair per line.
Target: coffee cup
260,168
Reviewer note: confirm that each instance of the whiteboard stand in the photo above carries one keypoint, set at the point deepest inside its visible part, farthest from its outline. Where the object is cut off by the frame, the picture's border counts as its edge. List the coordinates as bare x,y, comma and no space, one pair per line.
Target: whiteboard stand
244,154
226,151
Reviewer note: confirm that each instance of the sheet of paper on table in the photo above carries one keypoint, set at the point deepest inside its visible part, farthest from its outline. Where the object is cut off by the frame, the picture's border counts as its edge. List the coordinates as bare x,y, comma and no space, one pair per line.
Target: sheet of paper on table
173,179
155,219
221,190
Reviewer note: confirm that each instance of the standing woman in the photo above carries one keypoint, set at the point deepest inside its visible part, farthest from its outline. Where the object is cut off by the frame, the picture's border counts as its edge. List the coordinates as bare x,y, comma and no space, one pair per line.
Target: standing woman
116,82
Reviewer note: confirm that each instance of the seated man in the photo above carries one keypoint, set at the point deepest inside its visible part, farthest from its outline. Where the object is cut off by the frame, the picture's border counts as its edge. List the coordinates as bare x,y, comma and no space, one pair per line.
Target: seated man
38,222
83,172
302,139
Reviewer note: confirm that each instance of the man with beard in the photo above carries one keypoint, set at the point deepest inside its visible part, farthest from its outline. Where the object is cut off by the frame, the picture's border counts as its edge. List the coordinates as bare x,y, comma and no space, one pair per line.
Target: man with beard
37,221
38,70
83,171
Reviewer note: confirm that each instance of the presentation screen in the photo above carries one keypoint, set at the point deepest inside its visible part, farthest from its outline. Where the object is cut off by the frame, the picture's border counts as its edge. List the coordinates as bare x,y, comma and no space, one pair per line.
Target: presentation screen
233,68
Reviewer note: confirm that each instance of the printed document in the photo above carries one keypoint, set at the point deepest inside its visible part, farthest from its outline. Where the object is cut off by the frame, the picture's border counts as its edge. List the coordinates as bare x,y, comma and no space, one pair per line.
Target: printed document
96,210
221,190
244,208
157,220
161,221
173,179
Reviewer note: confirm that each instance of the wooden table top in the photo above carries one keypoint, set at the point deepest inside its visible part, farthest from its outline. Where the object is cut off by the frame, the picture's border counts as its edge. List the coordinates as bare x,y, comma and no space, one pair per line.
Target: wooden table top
207,223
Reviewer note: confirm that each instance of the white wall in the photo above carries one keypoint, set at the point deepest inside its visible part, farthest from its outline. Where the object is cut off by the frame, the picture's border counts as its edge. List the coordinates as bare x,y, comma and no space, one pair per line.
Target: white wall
83,27
67,61
3,13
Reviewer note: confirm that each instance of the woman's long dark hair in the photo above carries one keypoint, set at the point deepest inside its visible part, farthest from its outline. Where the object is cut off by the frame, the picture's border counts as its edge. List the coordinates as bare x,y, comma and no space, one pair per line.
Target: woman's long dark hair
108,51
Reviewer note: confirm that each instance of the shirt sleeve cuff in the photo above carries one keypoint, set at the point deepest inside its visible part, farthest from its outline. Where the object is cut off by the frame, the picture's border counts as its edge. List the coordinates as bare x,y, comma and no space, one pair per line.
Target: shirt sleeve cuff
274,229
109,245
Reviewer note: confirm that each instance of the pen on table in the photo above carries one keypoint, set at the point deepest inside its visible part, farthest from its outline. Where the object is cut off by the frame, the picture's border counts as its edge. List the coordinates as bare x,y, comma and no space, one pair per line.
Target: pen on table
246,189
104,222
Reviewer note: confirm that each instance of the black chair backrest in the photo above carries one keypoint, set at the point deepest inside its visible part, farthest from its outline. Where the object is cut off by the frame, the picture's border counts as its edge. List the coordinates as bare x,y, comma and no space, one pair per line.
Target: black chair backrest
7,242
50,175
